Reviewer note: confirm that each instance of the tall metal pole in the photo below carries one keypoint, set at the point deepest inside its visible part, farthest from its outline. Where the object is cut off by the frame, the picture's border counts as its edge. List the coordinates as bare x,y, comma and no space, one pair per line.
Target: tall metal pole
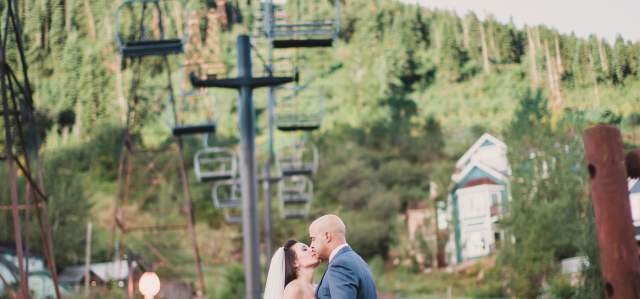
248,173
245,83
608,179
271,103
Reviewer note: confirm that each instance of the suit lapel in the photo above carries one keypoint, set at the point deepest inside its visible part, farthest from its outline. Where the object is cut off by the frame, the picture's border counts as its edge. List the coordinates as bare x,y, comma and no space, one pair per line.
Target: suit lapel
321,280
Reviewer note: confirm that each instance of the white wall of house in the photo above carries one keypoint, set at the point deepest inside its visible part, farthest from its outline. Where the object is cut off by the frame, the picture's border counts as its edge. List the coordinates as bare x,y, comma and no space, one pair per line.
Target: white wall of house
494,156
7,277
478,209
634,201
35,264
635,208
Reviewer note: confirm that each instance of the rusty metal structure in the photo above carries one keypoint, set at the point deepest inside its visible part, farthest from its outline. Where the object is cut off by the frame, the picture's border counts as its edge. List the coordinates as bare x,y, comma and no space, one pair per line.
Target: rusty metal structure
608,179
144,39
21,145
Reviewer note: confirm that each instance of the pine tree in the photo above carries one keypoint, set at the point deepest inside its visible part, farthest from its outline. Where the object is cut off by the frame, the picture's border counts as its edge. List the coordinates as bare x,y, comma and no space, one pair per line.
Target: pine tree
621,65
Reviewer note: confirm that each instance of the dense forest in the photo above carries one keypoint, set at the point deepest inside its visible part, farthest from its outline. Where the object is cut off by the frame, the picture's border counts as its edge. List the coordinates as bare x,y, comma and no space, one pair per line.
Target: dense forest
406,90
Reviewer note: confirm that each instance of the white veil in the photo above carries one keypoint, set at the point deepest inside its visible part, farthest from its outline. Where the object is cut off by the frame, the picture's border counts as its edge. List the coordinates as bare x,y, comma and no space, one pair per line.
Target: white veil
275,278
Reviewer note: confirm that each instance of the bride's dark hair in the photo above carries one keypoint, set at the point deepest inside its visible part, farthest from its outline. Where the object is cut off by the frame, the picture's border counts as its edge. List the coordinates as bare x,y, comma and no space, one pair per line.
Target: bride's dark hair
290,271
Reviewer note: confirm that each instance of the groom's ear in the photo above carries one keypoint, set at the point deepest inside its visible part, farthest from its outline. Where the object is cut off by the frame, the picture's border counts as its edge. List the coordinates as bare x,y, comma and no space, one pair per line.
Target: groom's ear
327,236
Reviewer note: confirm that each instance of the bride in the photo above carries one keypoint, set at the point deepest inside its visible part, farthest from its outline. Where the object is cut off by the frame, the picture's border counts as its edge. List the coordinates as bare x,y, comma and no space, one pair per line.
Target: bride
291,272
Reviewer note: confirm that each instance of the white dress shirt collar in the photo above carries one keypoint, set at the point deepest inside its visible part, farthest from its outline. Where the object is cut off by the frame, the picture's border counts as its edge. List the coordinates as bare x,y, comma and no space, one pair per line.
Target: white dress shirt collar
336,250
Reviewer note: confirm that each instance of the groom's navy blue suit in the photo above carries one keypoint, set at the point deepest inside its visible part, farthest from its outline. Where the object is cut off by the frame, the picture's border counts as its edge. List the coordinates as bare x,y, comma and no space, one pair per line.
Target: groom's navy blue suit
347,277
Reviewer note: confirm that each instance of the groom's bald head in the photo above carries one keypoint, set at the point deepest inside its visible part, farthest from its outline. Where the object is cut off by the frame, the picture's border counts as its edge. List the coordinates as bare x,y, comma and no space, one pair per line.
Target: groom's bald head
329,223
327,233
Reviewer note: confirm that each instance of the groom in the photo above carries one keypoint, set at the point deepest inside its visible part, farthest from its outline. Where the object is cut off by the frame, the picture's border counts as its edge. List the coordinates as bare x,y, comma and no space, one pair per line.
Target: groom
347,275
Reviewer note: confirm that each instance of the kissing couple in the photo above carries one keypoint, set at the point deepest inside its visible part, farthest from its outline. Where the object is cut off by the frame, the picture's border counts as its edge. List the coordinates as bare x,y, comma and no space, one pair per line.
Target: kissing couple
291,270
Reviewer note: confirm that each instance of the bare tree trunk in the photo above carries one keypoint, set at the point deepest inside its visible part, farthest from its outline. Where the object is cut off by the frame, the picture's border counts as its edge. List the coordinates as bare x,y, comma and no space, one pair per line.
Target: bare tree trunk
221,9
532,58
603,57
91,27
558,84
68,9
538,40
193,47
156,24
492,41
550,80
559,66
213,32
485,51
554,84
87,259
178,15
465,33
213,53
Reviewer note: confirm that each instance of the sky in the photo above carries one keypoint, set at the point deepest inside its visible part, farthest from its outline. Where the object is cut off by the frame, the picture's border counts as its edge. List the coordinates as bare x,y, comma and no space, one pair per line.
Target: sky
605,18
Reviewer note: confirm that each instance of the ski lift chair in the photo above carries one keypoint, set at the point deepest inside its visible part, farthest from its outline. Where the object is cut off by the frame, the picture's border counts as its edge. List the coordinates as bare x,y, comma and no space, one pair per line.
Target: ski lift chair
215,164
149,27
226,194
295,214
233,217
299,158
297,33
299,111
295,190
296,194
206,128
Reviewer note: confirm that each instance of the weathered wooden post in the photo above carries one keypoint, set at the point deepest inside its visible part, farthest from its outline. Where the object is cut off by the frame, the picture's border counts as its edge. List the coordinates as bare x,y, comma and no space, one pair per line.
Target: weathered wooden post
608,178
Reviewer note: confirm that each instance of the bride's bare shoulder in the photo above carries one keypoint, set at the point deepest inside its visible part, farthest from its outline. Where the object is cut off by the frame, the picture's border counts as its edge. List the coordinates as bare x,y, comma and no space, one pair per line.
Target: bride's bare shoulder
299,290
293,290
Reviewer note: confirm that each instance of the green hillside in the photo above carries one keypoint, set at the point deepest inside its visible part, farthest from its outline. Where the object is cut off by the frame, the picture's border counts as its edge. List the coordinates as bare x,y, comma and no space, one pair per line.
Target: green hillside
406,91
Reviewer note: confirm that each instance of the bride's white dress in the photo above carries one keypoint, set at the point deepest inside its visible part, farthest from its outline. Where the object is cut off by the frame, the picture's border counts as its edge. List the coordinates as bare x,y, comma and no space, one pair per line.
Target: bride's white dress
274,289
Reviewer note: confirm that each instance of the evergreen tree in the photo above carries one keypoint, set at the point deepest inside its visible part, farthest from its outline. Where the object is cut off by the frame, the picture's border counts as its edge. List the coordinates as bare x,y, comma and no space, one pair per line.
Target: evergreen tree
548,215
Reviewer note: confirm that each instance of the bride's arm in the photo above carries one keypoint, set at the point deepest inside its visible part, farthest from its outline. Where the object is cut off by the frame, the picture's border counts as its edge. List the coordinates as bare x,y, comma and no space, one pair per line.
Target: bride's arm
293,291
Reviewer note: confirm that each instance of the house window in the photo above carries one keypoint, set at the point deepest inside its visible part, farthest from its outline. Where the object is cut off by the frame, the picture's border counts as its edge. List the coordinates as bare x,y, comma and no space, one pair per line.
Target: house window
495,203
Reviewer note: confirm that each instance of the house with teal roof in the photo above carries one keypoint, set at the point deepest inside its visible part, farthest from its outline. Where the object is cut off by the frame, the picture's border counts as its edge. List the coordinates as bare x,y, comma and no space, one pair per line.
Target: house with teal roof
477,200
39,279
634,200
